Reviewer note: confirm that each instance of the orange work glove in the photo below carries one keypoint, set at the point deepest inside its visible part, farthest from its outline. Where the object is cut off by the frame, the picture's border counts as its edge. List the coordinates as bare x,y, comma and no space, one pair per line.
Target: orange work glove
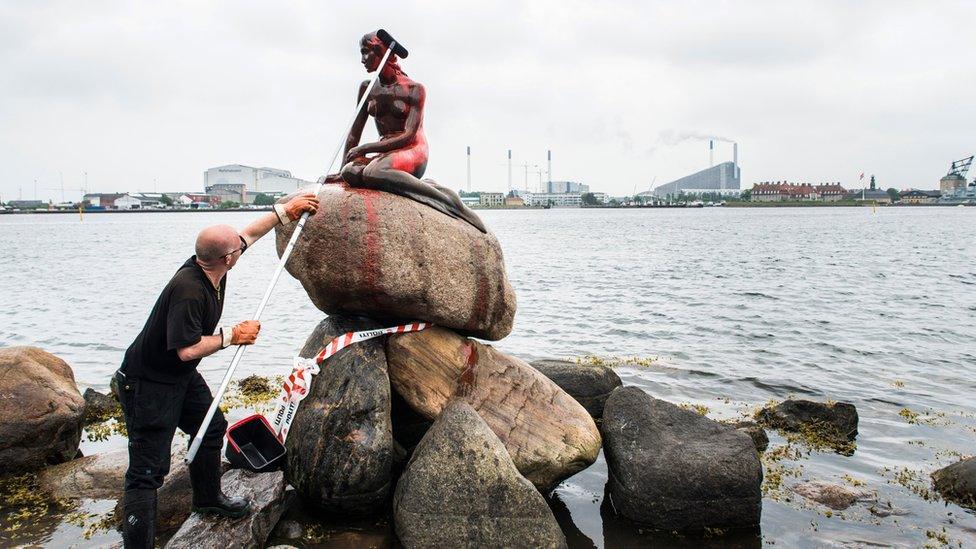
294,208
246,333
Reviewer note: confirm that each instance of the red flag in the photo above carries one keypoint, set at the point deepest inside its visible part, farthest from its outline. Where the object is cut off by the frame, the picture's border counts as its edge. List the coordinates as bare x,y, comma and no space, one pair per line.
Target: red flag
862,176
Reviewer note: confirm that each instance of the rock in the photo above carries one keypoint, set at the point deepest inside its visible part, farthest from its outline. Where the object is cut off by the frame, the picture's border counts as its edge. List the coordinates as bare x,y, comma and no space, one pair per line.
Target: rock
674,469
589,384
755,432
957,482
41,410
99,407
461,489
835,496
832,422
266,491
98,476
288,529
549,435
340,447
382,255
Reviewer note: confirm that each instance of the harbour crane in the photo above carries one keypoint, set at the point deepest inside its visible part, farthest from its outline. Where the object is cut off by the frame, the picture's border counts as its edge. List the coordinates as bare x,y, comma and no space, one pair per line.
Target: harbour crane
960,167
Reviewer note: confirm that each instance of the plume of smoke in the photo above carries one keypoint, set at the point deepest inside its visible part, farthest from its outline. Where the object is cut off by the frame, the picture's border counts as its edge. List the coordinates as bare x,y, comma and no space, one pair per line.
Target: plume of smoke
674,137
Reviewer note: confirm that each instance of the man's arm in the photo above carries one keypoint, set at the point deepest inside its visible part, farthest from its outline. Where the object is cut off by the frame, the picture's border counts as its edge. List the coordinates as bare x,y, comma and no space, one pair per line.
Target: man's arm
291,210
207,346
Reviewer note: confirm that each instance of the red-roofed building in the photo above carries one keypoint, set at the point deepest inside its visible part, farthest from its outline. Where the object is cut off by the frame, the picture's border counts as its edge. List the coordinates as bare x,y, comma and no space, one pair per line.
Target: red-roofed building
781,191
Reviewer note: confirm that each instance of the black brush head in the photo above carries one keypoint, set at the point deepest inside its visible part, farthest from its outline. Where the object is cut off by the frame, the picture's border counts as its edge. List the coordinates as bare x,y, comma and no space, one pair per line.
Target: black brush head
398,48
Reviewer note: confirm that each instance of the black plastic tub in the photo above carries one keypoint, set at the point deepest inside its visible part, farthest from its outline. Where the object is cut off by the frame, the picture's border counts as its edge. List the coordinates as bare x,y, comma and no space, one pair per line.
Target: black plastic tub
252,444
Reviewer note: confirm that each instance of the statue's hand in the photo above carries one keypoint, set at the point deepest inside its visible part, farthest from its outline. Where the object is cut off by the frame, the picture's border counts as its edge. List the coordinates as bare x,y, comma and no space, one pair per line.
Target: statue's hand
354,153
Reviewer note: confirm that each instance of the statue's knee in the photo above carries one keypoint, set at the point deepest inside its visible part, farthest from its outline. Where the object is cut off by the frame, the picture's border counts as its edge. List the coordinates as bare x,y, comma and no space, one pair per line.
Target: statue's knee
352,173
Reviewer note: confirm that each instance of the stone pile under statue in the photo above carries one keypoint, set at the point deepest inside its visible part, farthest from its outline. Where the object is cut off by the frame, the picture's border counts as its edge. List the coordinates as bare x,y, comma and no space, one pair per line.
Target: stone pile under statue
385,248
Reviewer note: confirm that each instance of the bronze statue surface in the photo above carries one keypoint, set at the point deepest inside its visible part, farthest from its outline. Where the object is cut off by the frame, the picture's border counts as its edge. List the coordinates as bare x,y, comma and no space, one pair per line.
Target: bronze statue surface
398,160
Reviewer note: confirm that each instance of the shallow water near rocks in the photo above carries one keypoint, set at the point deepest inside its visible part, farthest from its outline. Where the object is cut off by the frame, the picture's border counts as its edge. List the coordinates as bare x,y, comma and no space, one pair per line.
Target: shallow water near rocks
733,307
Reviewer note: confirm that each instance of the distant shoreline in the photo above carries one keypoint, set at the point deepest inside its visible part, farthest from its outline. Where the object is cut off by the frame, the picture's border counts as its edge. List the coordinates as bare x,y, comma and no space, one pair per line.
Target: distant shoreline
619,207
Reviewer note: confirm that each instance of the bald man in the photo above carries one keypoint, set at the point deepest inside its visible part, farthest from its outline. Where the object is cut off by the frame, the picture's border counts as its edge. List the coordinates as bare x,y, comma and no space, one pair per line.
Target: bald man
159,387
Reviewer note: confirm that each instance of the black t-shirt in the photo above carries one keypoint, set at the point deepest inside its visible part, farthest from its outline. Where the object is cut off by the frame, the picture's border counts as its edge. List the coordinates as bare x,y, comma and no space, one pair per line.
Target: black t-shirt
188,308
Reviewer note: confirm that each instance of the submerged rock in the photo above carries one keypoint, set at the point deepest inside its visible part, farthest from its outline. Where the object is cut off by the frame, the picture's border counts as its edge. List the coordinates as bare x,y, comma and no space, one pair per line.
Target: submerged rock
382,255
41,410
589,384
835,496
461,489
99,407
755,432
957,482
832,424
266,492
549,435
674,469
340,447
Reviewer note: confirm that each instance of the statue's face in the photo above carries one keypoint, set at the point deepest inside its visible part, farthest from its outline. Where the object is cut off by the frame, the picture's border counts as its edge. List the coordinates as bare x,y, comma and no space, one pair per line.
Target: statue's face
372,54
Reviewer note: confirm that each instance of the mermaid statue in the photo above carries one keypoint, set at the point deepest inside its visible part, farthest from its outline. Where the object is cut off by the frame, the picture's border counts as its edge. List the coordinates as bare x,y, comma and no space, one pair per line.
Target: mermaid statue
398,160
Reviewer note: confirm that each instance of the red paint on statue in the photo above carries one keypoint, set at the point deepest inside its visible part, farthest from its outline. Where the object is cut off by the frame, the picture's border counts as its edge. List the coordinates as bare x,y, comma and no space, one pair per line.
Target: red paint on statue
465,384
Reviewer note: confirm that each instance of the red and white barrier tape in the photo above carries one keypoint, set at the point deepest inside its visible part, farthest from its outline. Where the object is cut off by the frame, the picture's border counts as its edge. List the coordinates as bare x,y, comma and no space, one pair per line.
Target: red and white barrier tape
297,384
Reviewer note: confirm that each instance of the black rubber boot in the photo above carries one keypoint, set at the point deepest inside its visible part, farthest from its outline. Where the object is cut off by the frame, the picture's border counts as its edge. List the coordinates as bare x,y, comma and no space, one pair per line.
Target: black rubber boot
207,495
139,518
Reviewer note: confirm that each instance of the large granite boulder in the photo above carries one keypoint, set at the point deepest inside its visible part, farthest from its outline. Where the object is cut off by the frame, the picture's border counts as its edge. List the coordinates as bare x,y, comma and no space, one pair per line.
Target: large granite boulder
957,482
383,255
41,410
266,492
549,435
340,447
461,489
674,469
589,384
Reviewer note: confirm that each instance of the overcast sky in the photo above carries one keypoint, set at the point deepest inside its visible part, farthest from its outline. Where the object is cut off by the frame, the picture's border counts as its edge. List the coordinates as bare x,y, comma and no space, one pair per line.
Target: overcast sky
622,92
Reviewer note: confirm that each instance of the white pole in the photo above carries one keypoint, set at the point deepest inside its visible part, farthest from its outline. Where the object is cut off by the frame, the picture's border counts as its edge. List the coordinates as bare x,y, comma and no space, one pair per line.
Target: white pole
509,169
469,168
198,439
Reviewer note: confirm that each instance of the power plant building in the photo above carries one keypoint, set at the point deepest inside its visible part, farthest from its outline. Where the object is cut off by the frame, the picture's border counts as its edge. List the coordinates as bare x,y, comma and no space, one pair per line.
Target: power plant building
721,179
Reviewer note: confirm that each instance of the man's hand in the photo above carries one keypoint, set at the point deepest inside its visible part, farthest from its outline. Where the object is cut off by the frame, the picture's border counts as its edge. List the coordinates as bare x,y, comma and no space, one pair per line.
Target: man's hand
246,333
354,153
295,207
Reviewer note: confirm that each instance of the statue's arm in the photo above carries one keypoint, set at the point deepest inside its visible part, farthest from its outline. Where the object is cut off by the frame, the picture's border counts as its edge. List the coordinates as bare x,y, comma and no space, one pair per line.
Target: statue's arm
417,98
356,132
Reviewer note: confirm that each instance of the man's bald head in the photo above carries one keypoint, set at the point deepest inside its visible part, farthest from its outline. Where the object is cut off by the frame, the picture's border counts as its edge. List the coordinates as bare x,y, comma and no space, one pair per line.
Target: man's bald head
215,242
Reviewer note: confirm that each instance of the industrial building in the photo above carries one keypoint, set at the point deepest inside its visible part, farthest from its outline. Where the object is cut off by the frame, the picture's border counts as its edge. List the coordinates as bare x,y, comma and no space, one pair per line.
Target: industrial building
724,178
258,180
558,187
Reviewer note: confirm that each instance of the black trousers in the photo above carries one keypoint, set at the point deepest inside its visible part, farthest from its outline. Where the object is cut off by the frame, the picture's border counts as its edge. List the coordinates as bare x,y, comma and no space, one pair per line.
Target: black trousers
153,411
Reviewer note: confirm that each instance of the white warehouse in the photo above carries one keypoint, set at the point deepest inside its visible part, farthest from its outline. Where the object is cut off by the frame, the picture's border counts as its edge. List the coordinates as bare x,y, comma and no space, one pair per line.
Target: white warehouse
261,180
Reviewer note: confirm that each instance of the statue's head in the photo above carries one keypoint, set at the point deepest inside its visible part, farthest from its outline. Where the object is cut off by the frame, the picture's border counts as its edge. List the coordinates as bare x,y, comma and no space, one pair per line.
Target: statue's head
372,50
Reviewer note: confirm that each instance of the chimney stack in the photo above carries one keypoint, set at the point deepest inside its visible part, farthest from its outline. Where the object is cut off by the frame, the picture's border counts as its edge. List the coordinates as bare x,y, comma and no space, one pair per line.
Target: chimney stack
711,153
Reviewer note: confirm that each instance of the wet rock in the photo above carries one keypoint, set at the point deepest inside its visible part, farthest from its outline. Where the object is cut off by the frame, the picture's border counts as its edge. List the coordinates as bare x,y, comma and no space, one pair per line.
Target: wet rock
755,432
674,469
99,407
832,422
957,482
835,496
382,255
589,384
266,491
288,529
549,435
41,410
461,489
340,447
